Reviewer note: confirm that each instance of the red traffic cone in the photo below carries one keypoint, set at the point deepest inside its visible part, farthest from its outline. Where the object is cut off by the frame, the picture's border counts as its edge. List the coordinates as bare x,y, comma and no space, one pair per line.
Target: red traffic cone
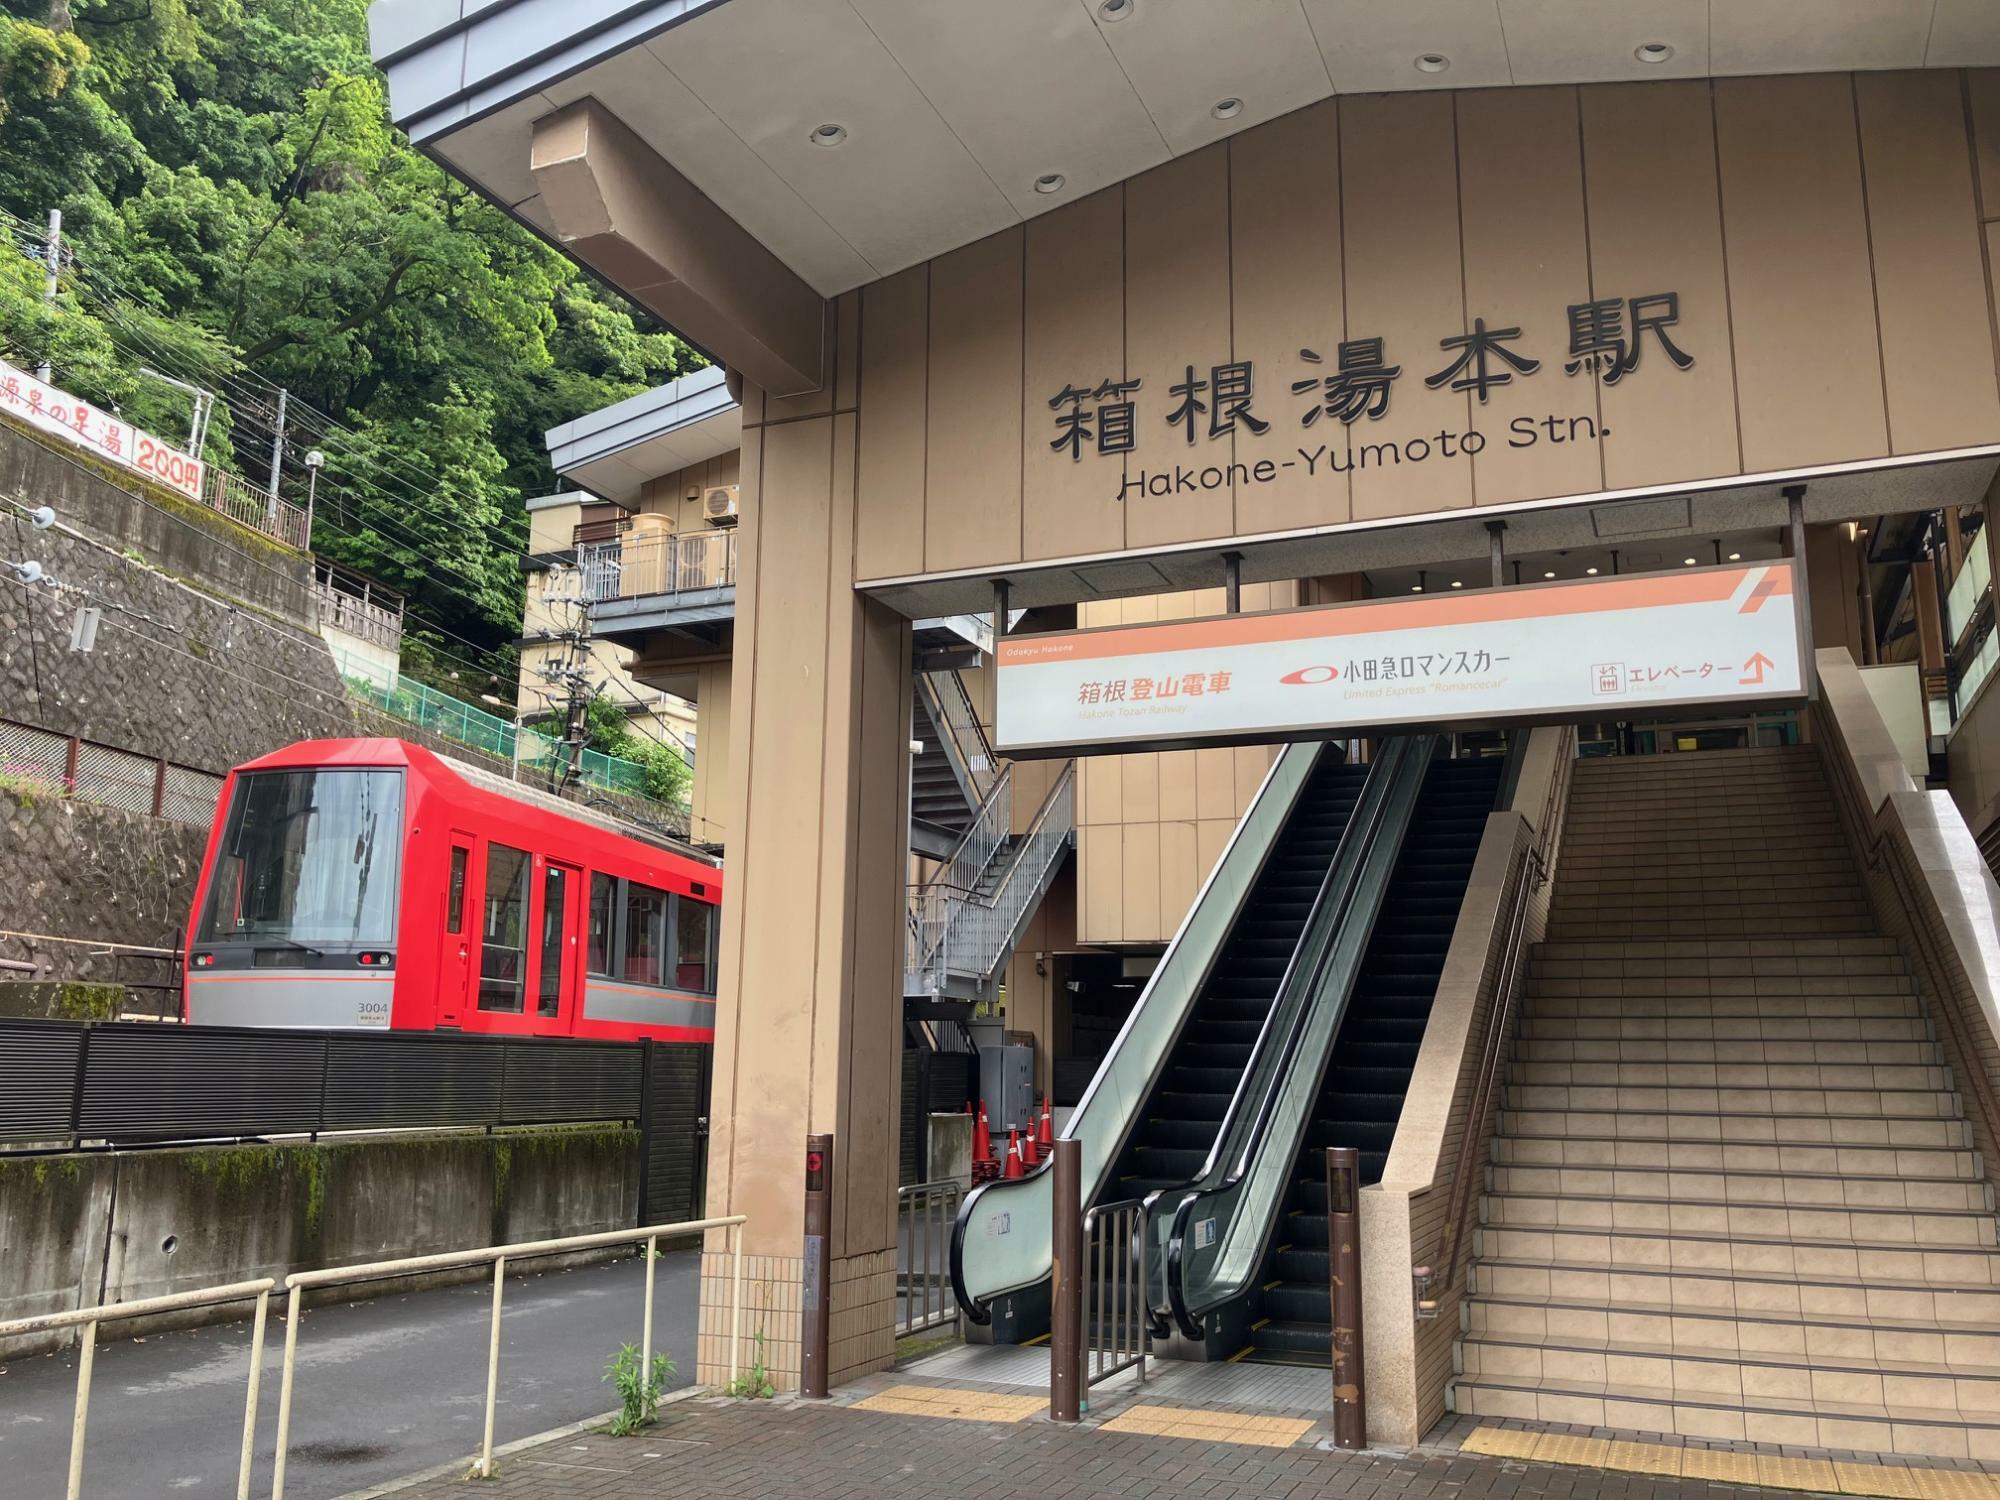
1028,1157
1013,1171
982,1136
1047,1138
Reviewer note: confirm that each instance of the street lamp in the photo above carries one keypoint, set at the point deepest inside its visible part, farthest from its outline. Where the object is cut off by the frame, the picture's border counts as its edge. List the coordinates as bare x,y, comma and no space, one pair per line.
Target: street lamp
315,461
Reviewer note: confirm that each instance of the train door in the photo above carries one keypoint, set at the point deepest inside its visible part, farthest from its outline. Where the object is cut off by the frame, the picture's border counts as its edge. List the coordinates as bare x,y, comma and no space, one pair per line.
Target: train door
460,962
558,925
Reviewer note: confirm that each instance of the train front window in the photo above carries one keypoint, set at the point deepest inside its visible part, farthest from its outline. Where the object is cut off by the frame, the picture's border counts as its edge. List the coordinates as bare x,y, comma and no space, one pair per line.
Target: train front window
308,857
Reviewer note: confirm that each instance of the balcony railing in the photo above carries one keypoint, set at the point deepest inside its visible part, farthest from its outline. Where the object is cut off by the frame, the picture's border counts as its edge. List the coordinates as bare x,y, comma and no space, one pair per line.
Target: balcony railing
254,506
362,618
639,565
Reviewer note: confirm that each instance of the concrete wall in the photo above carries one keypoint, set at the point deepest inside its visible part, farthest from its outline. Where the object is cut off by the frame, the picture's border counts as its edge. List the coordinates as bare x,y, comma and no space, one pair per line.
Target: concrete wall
1829,224
86,1230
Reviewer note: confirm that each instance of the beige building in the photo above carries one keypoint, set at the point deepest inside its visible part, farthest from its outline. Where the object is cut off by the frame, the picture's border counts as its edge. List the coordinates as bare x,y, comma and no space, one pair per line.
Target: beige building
1416,315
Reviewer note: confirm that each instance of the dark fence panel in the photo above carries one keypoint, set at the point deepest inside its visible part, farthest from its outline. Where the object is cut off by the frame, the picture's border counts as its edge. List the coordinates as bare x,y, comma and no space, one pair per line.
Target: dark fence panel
674,1125
574,1081
130,1081
149,1082
413,1079
40,1062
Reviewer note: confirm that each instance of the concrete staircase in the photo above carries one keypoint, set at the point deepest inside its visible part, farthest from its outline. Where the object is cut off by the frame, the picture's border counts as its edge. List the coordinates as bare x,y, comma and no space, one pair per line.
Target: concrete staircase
1734,1194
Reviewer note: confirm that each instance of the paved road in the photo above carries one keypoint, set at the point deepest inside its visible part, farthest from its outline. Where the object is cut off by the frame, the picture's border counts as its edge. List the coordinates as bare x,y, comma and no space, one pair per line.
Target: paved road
385,1388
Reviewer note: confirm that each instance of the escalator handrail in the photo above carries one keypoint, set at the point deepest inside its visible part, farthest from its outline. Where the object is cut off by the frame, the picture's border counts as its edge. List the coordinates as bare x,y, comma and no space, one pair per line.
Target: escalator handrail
1224,1168
975,1311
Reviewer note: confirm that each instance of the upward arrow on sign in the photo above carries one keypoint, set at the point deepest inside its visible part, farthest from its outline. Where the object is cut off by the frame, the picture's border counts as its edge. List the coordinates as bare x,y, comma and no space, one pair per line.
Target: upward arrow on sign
1753,669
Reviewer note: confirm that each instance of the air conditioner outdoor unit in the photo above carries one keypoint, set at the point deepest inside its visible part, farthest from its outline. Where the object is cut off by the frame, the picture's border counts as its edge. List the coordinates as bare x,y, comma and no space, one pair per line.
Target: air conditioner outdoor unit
718,505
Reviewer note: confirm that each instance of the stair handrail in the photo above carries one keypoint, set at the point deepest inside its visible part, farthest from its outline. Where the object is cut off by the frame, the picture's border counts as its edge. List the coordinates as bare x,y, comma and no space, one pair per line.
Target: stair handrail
956,720
1014,1218
931,904
978,931
1373,833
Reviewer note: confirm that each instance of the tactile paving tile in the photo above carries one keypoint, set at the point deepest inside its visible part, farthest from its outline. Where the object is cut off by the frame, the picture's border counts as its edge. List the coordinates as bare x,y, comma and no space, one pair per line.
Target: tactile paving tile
1712,1463
1875,1479
1566,1448
1503,1442
1955,1484
955,1405
1777,1472
1210,1426
1643,1458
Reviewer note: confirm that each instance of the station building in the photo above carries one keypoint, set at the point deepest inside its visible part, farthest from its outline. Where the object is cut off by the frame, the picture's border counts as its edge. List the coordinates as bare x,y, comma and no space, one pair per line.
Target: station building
1410,577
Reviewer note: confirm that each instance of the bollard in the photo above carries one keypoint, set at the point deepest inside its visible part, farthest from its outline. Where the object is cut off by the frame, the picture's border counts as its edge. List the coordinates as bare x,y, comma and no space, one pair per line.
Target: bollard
1066,1272
1343,1239
816,1311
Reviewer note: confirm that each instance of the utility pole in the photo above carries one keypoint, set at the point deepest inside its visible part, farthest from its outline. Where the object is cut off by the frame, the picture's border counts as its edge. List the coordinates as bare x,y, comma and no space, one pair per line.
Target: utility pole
52,264
277,450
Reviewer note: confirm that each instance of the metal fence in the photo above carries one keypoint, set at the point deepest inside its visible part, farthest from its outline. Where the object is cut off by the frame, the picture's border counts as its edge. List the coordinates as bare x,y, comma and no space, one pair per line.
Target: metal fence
68,766
297,1284
638,564
1116,1321
254,506
528,750
924,1217
138,1081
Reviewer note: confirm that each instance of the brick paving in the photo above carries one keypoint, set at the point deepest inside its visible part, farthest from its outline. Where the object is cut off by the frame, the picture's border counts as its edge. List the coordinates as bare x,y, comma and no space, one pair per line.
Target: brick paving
827,1451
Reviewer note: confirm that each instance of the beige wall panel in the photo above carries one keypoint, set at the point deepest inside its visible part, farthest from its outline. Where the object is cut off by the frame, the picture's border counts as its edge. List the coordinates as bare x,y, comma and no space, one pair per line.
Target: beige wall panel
1091,613
1180,875
1032,779
729,466
1211,838
1178,800
1075,337
1284,210
1399,216
889,521
1656,226
847,350
1253,763
1982,87
1177,315
1833,577
1142,883
1801,297
773,997
1937,358
1141,780
972,483
1101,788
1520,187
1100,863
1214,783
818,401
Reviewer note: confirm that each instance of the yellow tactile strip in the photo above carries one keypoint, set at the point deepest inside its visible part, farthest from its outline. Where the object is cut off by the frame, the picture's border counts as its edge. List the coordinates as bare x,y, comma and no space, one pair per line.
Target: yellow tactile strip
957,1405
1211,1426
1772,1471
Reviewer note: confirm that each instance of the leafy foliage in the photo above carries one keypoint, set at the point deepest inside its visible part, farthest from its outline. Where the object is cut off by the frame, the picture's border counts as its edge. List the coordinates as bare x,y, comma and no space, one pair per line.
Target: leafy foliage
234,192
609,732
638,1389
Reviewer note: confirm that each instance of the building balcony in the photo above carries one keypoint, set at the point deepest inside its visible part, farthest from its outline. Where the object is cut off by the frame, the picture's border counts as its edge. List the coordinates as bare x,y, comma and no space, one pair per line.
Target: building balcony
642,582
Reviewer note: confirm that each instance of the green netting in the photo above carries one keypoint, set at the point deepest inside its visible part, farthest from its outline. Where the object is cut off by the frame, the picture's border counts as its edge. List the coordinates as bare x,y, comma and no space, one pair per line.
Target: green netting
455,719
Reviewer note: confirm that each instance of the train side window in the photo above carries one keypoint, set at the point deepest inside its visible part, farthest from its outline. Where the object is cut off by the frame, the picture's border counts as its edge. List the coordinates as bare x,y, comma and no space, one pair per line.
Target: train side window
646,934
603,905
694,947
454,911
503,944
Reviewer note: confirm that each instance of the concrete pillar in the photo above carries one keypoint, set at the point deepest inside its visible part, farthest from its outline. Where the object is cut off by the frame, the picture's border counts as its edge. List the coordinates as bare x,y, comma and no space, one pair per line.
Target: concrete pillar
808,1016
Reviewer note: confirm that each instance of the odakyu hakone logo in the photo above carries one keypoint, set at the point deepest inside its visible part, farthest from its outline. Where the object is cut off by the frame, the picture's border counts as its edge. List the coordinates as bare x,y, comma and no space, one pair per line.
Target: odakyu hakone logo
1310,676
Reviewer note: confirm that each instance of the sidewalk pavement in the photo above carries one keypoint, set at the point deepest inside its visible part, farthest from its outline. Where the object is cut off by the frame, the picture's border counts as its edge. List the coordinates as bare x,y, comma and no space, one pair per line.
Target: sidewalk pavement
709,1446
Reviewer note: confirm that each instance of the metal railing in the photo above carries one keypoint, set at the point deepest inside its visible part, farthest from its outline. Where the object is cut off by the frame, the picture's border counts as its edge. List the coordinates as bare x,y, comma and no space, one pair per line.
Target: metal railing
254,506
640,564
89,1318
67,766
356,615
964,737
1116,1321
924,1215
956,926
499,1255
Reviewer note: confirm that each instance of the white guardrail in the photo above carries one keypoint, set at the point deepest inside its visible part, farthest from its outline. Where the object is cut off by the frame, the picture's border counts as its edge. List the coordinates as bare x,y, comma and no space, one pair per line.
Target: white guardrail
88,1318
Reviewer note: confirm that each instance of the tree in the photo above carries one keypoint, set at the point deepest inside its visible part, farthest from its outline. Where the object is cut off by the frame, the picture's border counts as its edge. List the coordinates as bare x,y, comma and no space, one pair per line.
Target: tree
608,731
244,216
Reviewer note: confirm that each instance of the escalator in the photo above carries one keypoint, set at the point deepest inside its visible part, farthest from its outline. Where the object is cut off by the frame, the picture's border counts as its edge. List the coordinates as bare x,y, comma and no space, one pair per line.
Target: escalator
1174,1132
1150,1114
1361,1094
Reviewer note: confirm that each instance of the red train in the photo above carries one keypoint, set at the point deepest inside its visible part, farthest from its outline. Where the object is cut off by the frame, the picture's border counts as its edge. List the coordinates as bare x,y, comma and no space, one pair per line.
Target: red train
373,883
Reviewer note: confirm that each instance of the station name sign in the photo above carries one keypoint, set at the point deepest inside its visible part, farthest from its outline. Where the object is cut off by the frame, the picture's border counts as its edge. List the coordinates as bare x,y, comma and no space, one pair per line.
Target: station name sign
1604,648
1608,339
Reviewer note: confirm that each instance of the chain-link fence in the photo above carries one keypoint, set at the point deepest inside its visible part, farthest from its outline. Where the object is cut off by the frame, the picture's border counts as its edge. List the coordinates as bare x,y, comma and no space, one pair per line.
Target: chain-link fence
68,766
